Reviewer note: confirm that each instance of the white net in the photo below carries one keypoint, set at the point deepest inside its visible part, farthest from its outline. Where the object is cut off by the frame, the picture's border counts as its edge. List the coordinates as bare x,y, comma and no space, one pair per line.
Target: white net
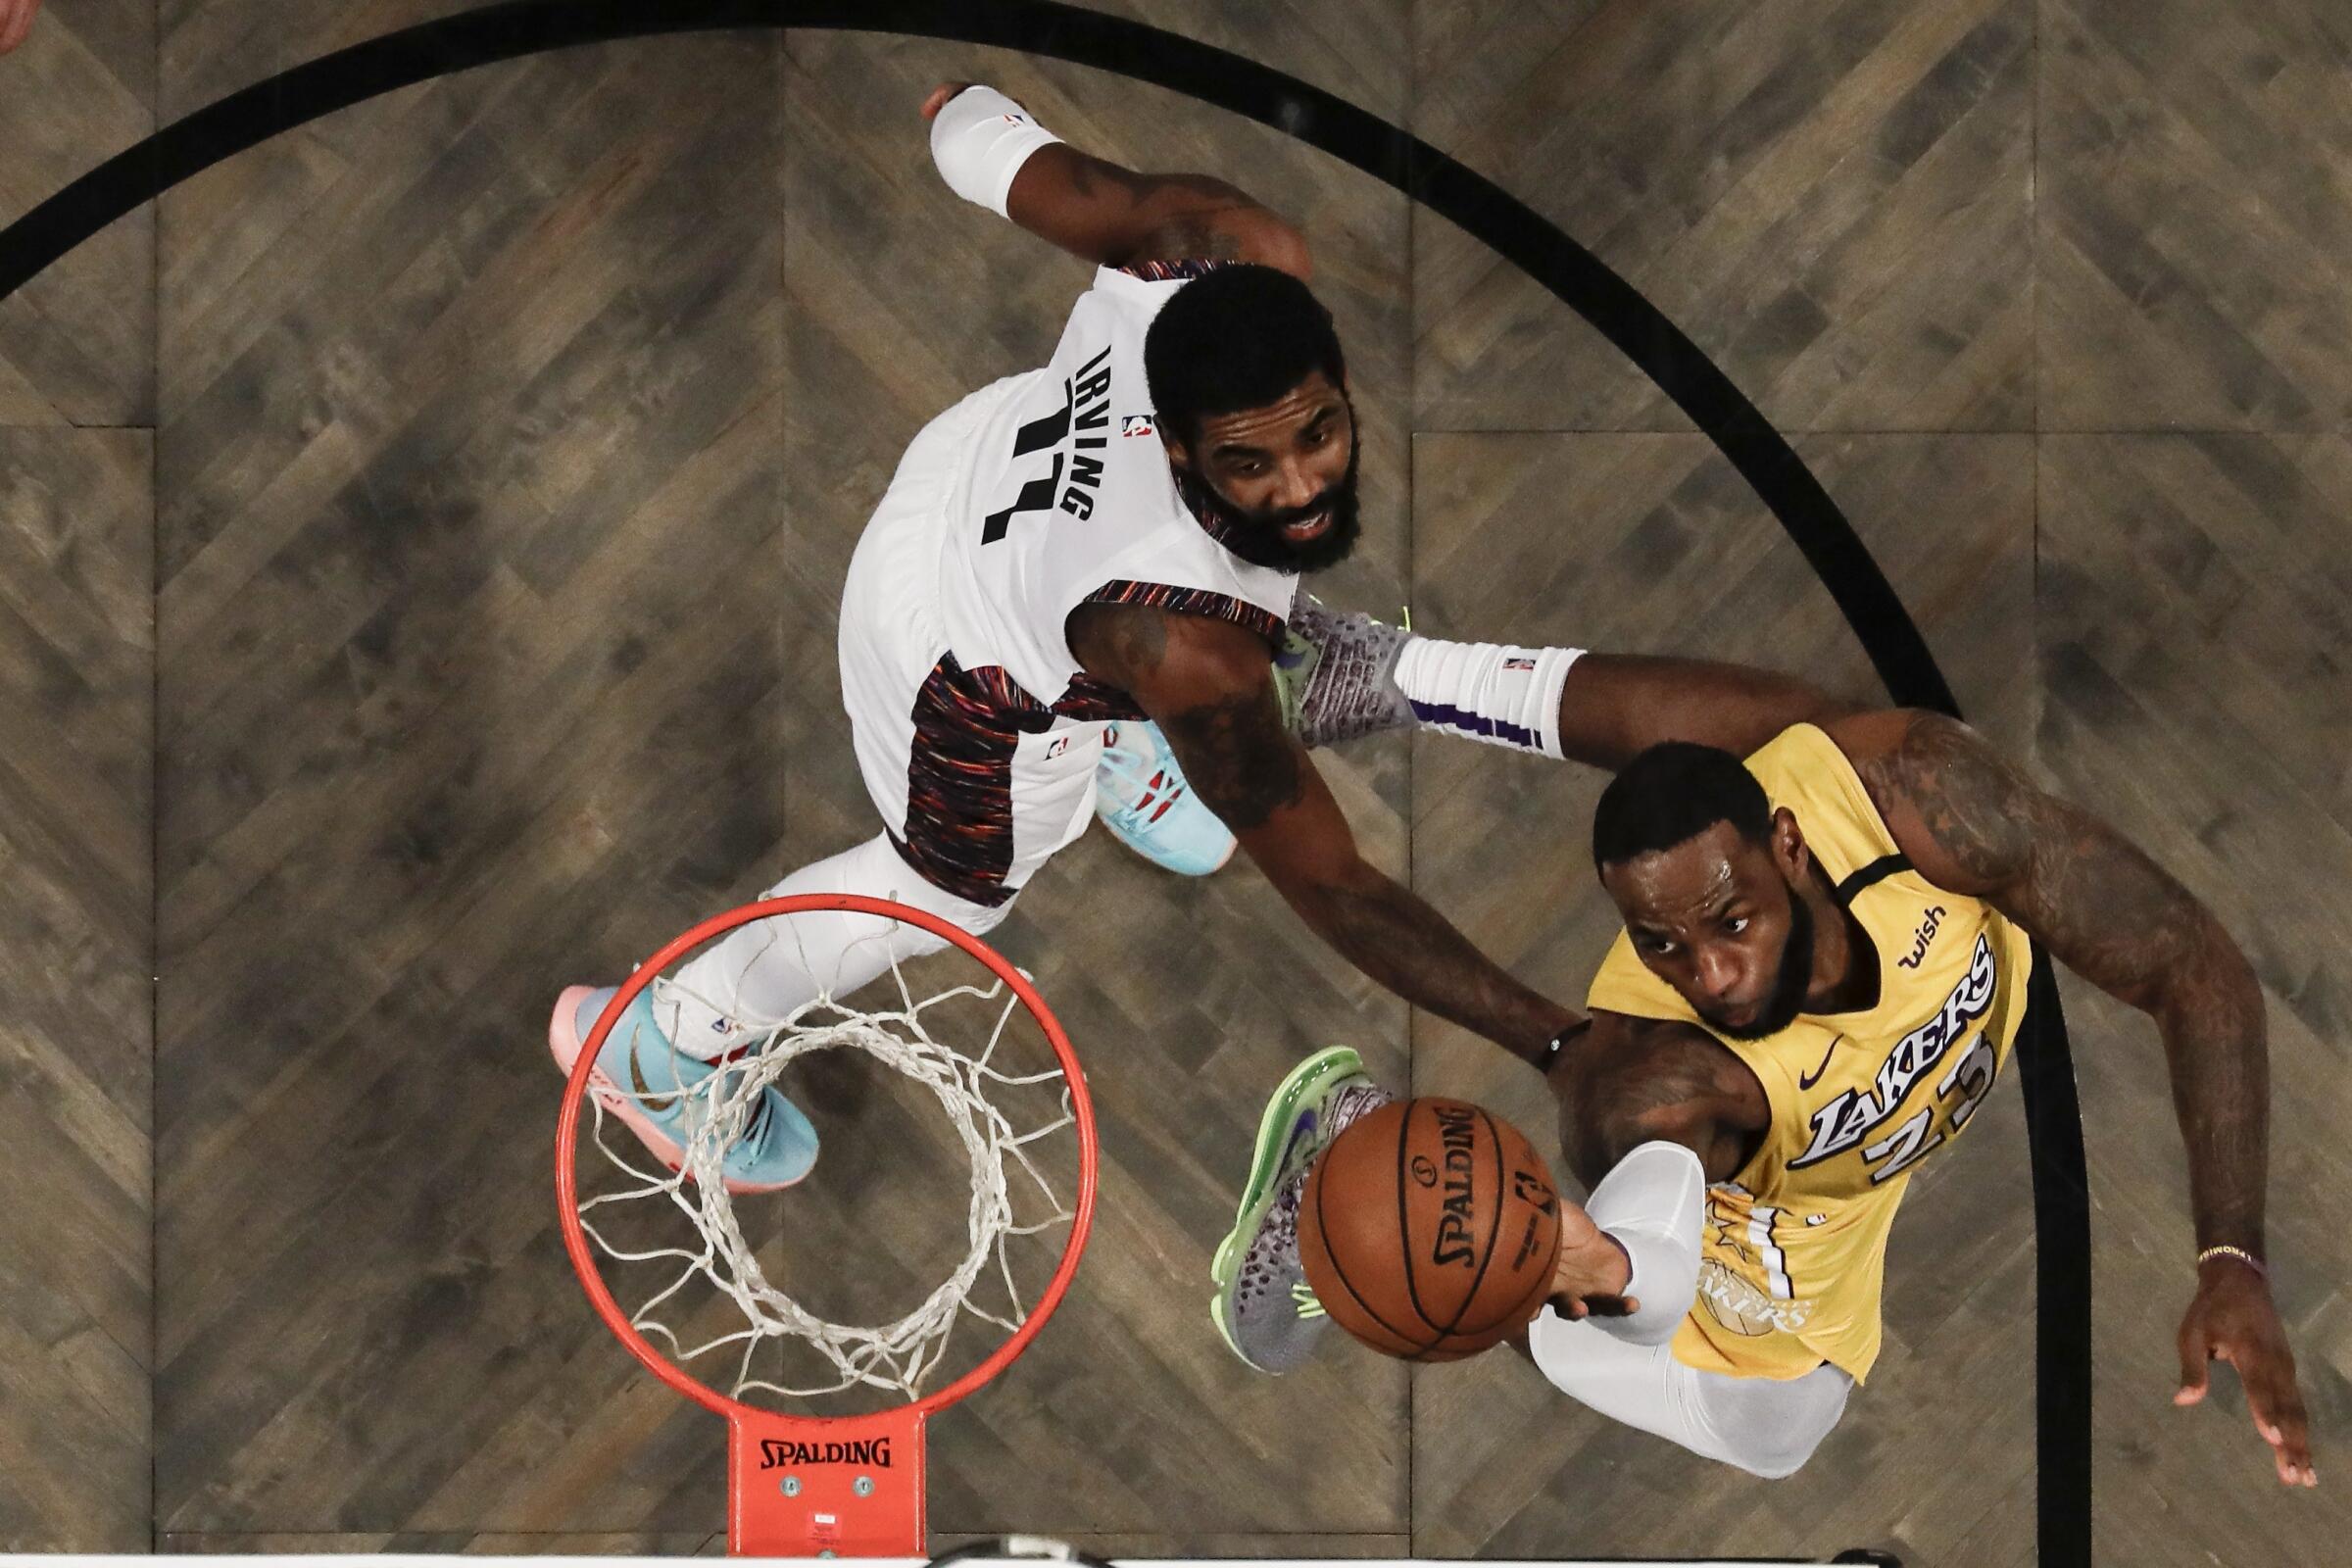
897,1356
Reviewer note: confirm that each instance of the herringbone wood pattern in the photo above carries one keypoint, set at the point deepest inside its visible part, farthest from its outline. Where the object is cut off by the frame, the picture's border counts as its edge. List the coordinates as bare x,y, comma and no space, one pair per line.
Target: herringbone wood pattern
2193,237
1831,199
78,343
468,582
76,774
77,663
511,434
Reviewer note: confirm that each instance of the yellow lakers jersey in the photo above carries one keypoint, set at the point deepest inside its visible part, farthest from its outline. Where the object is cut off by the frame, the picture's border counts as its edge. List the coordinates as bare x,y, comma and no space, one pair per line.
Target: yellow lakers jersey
1795,1244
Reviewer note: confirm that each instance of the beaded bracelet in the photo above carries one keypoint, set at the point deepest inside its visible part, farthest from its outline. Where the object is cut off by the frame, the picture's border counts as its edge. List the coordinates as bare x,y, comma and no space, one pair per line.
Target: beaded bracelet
2238,1252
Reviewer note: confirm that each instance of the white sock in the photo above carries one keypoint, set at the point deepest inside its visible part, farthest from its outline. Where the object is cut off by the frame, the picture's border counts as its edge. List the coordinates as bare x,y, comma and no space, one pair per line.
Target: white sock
1496,692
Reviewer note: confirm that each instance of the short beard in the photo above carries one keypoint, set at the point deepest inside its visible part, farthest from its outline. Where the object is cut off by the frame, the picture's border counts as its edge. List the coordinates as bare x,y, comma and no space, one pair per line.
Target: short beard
1796,978
1257,536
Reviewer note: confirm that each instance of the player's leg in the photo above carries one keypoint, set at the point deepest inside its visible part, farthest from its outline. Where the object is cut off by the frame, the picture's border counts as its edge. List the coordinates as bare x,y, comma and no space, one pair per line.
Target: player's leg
974,793
1768,1426
675,1029
761,973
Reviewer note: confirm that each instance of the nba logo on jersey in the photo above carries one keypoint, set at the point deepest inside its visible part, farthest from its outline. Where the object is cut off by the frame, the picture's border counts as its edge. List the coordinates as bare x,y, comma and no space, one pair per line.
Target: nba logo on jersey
1135,424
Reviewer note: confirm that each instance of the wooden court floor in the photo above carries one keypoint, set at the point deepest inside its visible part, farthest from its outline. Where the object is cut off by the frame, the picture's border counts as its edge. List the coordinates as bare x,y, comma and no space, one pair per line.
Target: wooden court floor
419,542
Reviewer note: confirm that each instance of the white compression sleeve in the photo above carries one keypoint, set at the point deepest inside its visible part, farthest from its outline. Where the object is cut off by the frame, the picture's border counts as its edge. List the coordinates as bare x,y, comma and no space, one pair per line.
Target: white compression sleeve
1655,1202
1492,692
979,139
770,969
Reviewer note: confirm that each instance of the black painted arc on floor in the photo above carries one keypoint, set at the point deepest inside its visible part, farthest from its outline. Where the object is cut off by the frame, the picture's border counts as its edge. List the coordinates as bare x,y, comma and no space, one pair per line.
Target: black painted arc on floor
1460,195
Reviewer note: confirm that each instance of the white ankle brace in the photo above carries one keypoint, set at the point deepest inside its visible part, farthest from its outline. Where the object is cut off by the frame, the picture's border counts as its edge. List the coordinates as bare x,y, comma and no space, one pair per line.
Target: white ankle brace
1496,692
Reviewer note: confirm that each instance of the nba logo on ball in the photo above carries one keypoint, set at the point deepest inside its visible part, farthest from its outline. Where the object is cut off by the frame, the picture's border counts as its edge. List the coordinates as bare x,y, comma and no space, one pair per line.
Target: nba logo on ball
1429,1229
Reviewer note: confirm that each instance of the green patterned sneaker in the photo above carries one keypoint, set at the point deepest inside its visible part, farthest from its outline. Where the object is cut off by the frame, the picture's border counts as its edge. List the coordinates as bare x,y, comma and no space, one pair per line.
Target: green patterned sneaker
1264,1306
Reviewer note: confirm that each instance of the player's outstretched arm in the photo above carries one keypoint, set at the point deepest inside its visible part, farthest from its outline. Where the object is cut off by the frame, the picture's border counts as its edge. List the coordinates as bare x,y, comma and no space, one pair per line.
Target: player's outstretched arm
1971,821
1207,684
990,151
1614,707
1346,675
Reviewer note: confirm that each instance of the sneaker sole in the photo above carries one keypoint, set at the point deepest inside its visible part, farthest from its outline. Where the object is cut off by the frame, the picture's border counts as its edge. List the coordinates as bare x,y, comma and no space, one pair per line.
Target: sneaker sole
1303,1082
1145,855
564,1044
1306,1081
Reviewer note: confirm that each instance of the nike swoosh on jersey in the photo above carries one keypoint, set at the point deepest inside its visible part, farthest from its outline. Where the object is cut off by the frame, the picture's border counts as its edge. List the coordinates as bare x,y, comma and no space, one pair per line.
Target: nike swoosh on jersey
1803,1081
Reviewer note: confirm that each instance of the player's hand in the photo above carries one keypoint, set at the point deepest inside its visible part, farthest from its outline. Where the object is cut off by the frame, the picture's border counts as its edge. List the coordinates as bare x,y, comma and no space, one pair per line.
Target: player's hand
15,22
931,105
2233,1319
1593,1271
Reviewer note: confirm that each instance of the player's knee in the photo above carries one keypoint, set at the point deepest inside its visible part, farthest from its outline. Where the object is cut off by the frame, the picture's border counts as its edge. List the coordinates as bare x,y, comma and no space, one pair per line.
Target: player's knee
1770,1429
984,918
1778,1457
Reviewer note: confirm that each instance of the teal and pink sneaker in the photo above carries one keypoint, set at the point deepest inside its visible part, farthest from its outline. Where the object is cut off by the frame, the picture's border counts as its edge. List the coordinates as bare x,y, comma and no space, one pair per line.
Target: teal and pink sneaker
641,1079
1142,797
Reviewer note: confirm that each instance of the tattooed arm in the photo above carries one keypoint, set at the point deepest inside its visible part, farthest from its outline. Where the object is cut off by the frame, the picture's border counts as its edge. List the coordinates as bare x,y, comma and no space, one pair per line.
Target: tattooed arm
1615,705
1210,687
1623,1082
1971,821
1113,217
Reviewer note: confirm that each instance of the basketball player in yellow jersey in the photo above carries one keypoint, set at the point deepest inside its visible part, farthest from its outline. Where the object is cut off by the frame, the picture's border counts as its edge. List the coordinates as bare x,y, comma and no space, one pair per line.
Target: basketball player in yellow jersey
1820,974
1836,1100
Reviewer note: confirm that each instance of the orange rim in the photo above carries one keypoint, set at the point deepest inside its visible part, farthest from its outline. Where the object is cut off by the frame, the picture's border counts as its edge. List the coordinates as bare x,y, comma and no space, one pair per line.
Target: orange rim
568,1123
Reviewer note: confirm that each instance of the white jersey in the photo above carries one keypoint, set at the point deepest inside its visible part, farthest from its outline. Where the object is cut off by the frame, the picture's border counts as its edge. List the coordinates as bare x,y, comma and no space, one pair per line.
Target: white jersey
1064,496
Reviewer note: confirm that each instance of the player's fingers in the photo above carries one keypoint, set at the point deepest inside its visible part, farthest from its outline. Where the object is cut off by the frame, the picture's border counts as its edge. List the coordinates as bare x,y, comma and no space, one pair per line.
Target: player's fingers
16,22
2190,1343
2279,1414
940,95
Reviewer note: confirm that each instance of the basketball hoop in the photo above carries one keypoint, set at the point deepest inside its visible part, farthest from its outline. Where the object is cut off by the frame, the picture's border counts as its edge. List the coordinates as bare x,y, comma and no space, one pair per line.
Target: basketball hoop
832,1485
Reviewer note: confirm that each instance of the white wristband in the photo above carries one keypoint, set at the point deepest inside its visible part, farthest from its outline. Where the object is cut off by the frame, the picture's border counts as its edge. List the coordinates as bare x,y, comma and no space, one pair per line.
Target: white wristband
1653,1201
979,139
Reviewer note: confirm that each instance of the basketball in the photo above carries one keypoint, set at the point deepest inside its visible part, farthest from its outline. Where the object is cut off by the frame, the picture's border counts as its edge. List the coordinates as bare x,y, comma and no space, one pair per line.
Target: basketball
1429,1229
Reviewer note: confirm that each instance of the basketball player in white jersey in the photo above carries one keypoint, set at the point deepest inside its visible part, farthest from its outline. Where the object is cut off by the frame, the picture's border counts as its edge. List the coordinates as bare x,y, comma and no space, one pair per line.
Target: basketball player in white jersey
1061,557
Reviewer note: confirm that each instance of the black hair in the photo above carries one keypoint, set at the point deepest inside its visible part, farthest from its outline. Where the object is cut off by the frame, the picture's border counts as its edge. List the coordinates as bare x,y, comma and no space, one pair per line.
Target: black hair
1239,336
1671,793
